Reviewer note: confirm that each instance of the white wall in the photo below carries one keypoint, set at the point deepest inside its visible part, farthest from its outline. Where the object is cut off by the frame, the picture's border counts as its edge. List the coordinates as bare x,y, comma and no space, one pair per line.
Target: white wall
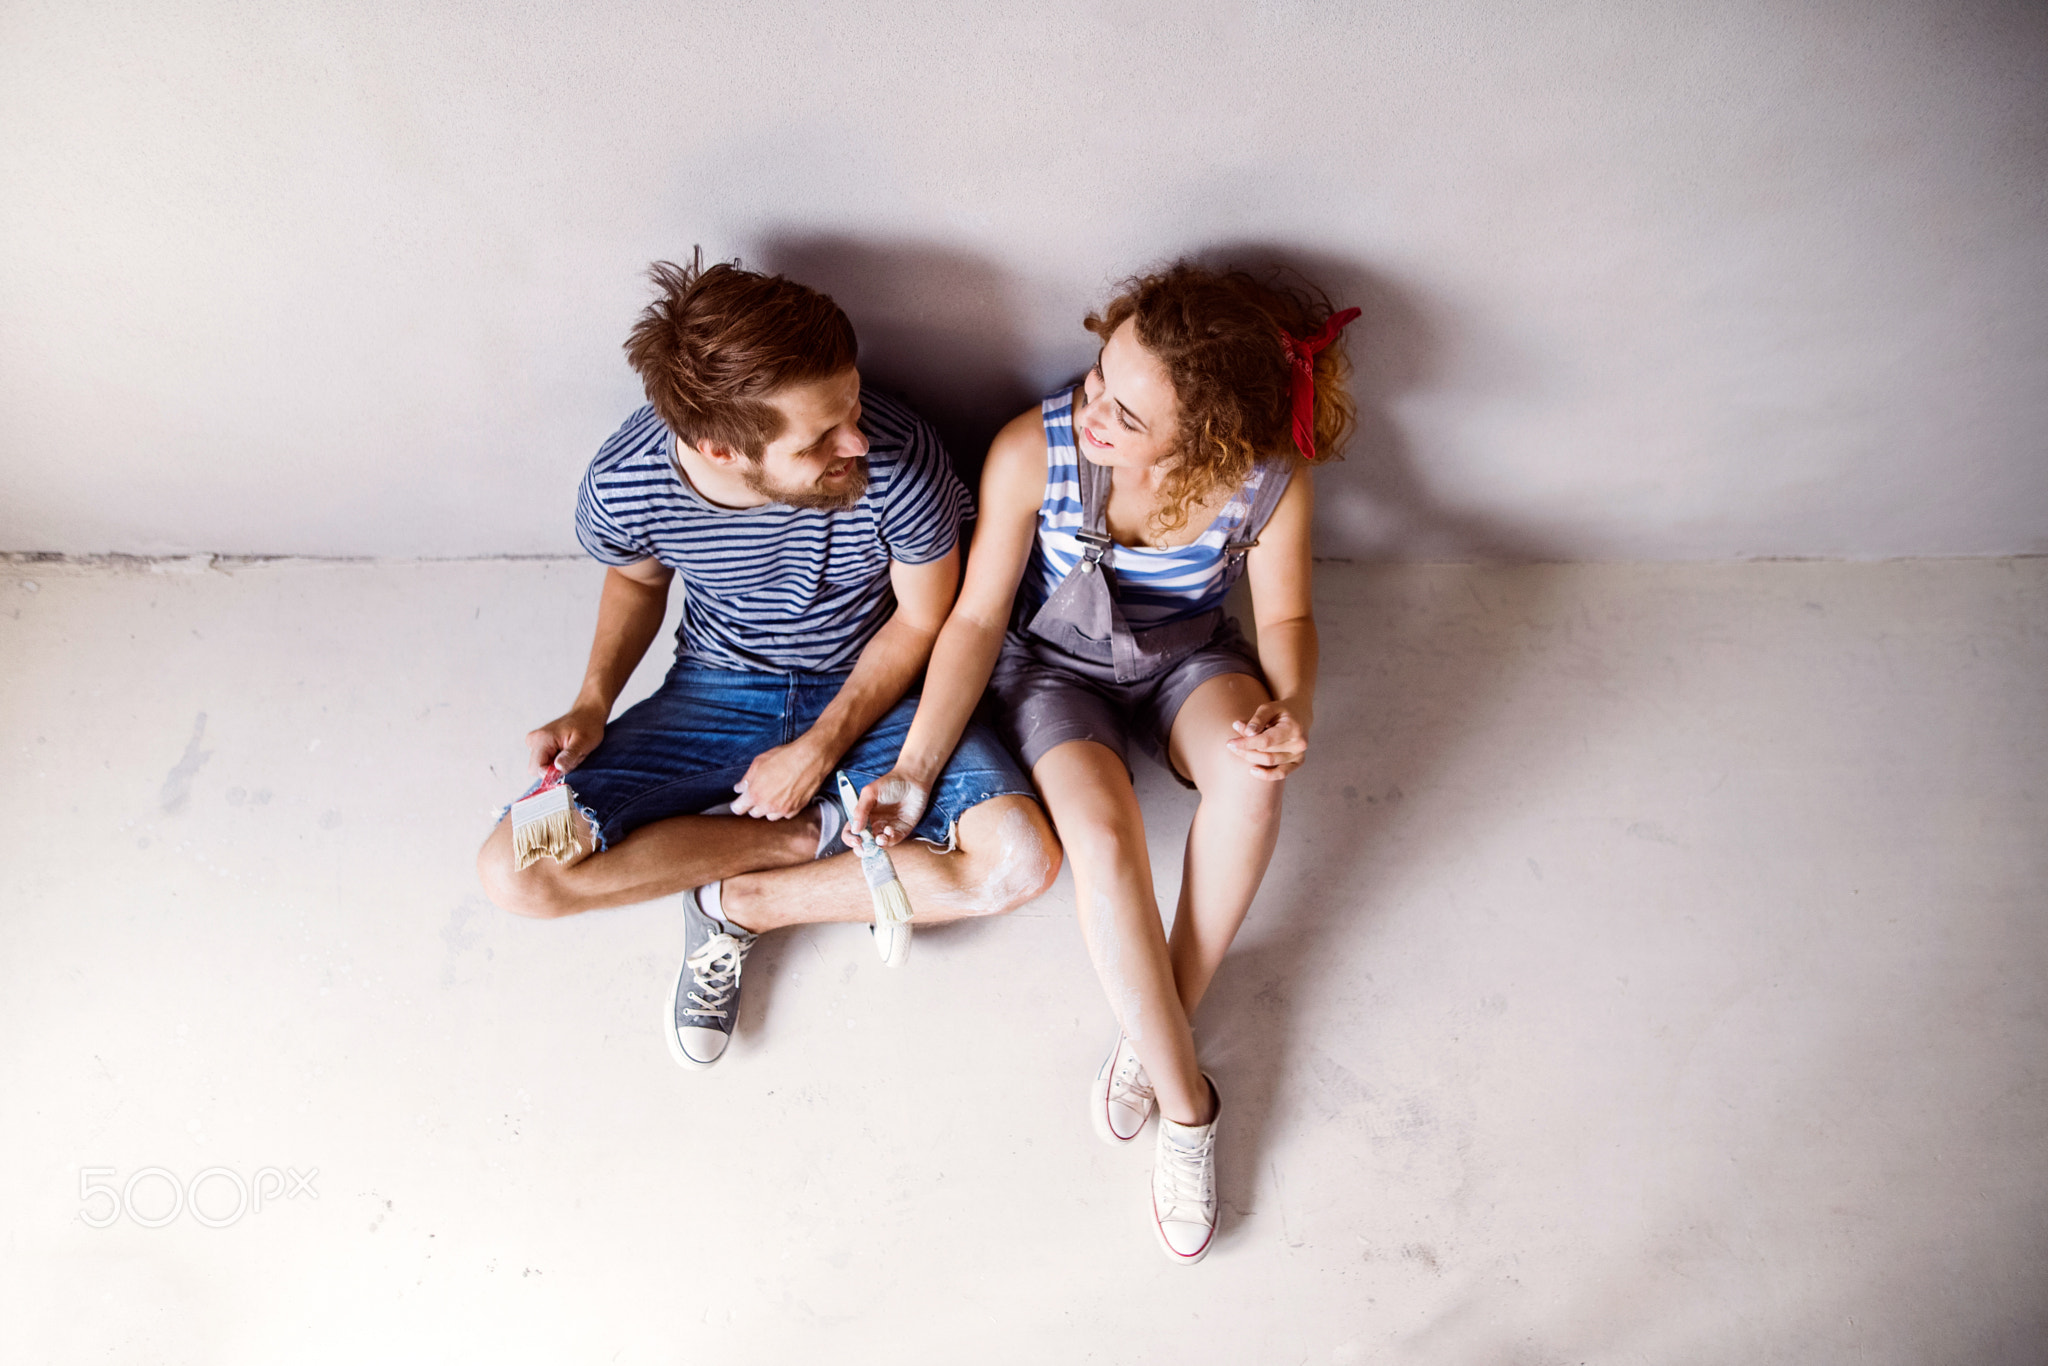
1644,279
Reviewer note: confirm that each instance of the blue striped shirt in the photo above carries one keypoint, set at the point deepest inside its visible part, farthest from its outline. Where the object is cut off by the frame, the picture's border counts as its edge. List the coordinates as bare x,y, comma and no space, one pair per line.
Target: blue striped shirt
1153,585
775,589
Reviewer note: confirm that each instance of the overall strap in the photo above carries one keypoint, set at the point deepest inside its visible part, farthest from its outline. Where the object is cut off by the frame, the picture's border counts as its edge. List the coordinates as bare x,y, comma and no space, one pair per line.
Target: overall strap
1278,473
1093,533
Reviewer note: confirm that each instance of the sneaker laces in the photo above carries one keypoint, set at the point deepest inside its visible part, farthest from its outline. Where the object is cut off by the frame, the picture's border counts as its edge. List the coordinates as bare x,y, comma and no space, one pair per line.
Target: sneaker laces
1185,1176
716,968
1129,1082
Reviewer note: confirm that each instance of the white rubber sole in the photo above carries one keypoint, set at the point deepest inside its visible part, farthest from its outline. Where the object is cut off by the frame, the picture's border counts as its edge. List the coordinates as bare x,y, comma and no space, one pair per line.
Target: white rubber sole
1182,1259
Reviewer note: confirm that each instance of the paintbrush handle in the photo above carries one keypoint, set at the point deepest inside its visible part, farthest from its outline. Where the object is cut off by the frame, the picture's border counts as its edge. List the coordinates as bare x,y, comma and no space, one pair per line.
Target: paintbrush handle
875,865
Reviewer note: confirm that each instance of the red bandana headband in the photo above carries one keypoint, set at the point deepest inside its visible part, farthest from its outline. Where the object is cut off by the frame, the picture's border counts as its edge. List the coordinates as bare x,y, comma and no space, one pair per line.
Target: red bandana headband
1301,357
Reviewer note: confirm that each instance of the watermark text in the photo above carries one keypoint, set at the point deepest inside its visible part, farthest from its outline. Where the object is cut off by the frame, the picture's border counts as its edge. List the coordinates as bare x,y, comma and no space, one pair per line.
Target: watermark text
217,1197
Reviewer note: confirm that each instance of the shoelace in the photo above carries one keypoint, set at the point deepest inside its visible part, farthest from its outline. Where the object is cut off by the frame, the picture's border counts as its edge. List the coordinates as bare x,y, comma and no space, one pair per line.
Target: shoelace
1129,1082
1189,1178
716,967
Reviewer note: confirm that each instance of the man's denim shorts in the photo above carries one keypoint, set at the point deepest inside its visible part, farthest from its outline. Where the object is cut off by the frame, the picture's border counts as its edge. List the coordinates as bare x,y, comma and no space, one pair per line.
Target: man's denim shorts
681,750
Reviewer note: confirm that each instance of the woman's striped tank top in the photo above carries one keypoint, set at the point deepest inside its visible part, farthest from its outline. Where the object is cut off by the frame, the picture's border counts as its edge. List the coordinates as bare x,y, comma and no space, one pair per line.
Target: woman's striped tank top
1154,586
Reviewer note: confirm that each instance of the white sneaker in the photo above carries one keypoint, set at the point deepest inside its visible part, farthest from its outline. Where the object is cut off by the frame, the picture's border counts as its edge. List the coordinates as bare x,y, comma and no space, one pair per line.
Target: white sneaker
1120,1097
1184,1185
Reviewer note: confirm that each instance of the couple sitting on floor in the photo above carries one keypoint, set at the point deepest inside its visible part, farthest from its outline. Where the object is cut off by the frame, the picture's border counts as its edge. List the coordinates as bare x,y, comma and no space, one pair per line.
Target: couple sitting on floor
815,527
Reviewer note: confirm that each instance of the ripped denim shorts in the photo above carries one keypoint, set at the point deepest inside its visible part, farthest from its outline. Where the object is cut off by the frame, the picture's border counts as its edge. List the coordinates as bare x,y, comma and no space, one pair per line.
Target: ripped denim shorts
681,750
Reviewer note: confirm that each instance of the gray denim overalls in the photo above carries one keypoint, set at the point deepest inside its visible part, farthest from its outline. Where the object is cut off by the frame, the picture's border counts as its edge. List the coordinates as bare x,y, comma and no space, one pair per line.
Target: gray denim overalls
1077,670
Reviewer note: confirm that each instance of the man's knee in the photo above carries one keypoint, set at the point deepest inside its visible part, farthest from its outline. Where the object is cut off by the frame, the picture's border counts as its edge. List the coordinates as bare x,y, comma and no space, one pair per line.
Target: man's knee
1012,855
532,891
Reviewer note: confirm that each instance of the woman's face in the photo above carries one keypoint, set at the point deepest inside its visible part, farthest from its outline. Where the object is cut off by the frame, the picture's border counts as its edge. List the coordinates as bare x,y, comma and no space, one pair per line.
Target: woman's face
1129,415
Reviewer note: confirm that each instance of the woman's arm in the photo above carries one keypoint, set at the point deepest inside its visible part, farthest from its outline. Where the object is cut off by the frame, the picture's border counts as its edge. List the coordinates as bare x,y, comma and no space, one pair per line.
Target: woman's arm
1012,488
782,781
1275,741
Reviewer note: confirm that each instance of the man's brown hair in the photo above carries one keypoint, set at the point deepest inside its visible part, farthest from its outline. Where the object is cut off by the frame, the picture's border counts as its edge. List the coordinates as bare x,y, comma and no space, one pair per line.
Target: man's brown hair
720,339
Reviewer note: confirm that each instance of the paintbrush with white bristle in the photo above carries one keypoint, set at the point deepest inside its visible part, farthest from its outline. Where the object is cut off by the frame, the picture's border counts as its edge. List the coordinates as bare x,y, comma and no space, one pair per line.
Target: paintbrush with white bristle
892,903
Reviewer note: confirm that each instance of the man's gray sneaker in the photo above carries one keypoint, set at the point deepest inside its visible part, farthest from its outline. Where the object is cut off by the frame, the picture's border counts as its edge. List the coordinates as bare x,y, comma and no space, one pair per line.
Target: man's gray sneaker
706,999
831,820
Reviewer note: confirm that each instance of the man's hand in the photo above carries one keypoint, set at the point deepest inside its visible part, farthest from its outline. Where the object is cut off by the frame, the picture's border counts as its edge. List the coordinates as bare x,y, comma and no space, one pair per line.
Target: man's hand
892,804
781,782
1274,742
567,740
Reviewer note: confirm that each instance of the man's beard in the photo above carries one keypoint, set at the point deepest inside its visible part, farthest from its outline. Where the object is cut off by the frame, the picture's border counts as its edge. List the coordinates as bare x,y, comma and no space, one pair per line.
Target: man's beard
812,496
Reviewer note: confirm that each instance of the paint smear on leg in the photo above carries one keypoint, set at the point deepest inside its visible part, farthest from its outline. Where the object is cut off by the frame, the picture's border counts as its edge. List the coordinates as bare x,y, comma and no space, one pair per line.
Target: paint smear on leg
1020,868
1110,963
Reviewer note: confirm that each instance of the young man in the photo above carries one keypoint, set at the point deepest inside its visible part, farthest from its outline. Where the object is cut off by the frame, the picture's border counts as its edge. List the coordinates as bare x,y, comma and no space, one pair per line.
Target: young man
815,529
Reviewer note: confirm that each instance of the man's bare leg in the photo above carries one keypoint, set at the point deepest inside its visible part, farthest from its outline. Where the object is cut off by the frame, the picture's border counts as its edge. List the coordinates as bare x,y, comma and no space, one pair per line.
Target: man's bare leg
1006,856
656,860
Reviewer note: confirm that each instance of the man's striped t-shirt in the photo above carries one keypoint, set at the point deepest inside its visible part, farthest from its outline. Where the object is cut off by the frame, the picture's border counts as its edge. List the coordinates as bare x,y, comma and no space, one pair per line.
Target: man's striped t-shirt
775,589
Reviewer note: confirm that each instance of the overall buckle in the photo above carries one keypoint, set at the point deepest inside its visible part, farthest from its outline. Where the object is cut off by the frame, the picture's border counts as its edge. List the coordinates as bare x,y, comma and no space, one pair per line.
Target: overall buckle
1094,545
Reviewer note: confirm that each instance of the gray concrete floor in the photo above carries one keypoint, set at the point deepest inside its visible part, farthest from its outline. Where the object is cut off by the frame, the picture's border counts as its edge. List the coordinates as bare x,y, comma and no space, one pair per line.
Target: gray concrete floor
1652,971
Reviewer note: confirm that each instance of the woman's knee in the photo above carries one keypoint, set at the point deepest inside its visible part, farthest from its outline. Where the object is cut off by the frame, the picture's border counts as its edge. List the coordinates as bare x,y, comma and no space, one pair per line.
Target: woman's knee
1231,786
1089,793
1103,840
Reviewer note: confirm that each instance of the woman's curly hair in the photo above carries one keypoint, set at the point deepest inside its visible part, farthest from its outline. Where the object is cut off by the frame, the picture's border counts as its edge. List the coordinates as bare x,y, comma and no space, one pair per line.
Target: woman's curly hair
1218,333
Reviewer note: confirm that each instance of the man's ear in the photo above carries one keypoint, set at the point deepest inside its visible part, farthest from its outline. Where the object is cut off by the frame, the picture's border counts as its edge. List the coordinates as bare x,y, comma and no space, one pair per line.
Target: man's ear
719,454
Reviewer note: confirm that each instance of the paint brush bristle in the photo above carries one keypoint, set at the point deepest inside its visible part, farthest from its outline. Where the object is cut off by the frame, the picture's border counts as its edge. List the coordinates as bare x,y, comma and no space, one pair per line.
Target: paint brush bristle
544,824
892,903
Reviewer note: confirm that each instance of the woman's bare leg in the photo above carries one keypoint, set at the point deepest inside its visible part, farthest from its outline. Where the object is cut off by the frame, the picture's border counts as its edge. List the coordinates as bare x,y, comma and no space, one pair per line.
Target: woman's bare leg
1232,838
1096,814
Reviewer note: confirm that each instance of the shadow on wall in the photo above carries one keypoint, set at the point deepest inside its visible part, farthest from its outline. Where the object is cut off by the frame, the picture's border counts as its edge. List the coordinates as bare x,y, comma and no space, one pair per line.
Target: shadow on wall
937,325
1374,504
940,326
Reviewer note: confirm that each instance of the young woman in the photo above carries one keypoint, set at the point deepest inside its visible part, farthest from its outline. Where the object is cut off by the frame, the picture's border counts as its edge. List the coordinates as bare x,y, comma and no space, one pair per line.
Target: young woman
1125,508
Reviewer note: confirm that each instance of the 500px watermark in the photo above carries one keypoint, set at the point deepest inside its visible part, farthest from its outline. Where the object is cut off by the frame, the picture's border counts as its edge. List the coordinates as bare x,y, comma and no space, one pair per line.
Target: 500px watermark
154,1196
